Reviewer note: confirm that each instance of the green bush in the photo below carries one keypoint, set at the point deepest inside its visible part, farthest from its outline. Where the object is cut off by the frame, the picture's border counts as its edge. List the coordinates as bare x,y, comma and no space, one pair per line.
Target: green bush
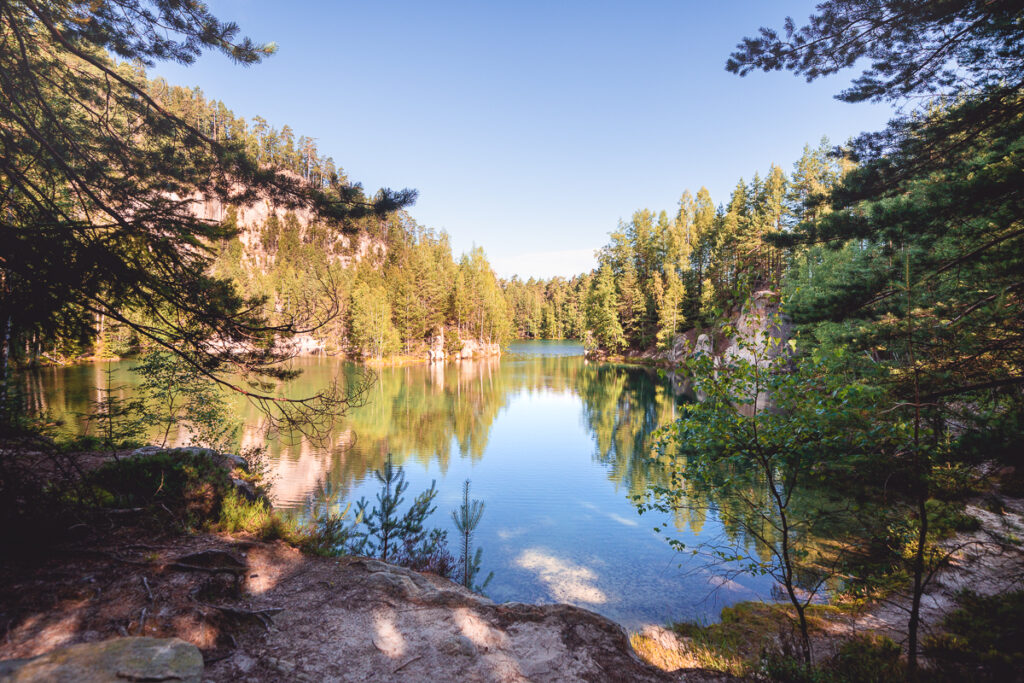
238,514
947,518
327,534
983,639
189,485
868,658
954,481
864,659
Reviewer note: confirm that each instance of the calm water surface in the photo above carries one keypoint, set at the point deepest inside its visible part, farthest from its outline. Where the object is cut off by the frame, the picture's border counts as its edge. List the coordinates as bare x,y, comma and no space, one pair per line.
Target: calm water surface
553,445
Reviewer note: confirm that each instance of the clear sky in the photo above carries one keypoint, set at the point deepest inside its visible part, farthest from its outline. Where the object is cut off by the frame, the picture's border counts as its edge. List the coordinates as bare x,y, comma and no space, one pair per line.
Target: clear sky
529,128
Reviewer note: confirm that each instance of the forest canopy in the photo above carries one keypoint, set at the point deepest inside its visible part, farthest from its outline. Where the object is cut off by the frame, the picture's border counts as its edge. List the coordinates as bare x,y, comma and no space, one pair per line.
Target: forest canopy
100,174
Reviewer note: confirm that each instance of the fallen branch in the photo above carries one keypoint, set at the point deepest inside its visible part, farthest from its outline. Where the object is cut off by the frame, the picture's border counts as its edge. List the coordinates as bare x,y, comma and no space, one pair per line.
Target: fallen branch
407,664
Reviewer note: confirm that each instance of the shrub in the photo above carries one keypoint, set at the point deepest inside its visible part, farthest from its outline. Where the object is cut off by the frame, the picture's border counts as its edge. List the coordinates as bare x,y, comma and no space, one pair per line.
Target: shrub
400,538
983,639
190,485
948,518
327,534
954,481
863,659
868,658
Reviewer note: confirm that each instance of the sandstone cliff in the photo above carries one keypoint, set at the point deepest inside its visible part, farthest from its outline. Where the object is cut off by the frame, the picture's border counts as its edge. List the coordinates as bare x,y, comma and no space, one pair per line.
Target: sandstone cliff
760,329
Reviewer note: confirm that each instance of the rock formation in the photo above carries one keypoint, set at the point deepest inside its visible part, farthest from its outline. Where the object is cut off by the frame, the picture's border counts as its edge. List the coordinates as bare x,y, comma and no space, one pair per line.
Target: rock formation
760,330
476,348
117,659
435,350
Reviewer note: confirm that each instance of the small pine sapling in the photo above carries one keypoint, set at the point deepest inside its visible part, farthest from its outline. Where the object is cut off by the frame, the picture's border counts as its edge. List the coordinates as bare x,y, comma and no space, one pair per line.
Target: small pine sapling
119,421
402,539
466,519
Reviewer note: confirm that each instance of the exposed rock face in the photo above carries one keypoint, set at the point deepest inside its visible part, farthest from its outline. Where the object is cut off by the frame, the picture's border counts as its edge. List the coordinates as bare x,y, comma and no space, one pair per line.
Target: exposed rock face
305,345
474,348
464,349
250,218
435,352
111,661
388,623
761,334
761,330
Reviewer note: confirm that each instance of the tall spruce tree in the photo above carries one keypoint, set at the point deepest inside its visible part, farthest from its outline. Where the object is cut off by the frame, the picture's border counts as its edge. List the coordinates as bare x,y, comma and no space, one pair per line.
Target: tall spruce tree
670,318
602,311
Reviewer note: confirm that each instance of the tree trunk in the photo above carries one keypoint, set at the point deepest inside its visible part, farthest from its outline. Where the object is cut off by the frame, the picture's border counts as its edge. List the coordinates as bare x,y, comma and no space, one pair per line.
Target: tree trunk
918,569
5,356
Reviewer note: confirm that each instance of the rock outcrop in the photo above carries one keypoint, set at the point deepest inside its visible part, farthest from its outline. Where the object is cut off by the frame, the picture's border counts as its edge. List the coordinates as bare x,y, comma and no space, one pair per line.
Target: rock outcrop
460,349
111,661
761,330
346,249
475,348
388,623
305,345
435,349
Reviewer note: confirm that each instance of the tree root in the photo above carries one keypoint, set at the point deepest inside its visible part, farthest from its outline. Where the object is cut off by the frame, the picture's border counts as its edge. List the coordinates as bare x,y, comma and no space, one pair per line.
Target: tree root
263,616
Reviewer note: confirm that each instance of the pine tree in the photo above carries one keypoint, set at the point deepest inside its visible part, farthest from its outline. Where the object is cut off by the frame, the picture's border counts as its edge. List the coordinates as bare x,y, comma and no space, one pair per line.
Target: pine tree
670,319
602,311
768,218
704,239
100,174
927,227
394,537
466,519
632,304
119,421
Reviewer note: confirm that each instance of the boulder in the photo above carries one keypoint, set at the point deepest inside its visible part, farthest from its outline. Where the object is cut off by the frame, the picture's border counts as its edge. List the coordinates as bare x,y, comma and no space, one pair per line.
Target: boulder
111,661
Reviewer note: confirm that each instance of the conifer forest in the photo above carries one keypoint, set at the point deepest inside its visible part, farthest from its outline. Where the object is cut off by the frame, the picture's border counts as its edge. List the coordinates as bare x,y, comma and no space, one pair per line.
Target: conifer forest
261,422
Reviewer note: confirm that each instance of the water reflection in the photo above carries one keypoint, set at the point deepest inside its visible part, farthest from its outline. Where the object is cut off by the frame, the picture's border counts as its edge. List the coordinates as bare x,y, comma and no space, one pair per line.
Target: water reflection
553,444
566,581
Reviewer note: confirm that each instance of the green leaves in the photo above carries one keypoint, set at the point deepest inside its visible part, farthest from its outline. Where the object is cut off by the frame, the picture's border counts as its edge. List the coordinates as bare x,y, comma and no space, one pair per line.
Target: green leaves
401,538
178,395
907,49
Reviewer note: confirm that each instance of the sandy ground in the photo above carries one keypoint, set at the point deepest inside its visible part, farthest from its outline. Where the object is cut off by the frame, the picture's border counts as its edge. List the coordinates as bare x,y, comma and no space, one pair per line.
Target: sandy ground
264,612
989,561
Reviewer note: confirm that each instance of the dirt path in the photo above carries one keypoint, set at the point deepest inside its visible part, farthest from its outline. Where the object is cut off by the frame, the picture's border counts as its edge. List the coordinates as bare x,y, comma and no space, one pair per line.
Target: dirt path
293,617
989,561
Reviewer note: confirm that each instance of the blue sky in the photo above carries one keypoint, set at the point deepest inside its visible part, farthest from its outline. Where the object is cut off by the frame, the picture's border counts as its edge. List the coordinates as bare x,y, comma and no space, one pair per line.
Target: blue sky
529,128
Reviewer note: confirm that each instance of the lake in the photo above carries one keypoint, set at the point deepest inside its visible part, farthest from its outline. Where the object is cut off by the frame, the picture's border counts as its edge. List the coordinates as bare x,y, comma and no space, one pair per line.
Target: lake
553,444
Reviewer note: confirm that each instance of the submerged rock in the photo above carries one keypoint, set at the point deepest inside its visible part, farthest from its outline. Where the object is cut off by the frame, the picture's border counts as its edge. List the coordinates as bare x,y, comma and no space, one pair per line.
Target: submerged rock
109,661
